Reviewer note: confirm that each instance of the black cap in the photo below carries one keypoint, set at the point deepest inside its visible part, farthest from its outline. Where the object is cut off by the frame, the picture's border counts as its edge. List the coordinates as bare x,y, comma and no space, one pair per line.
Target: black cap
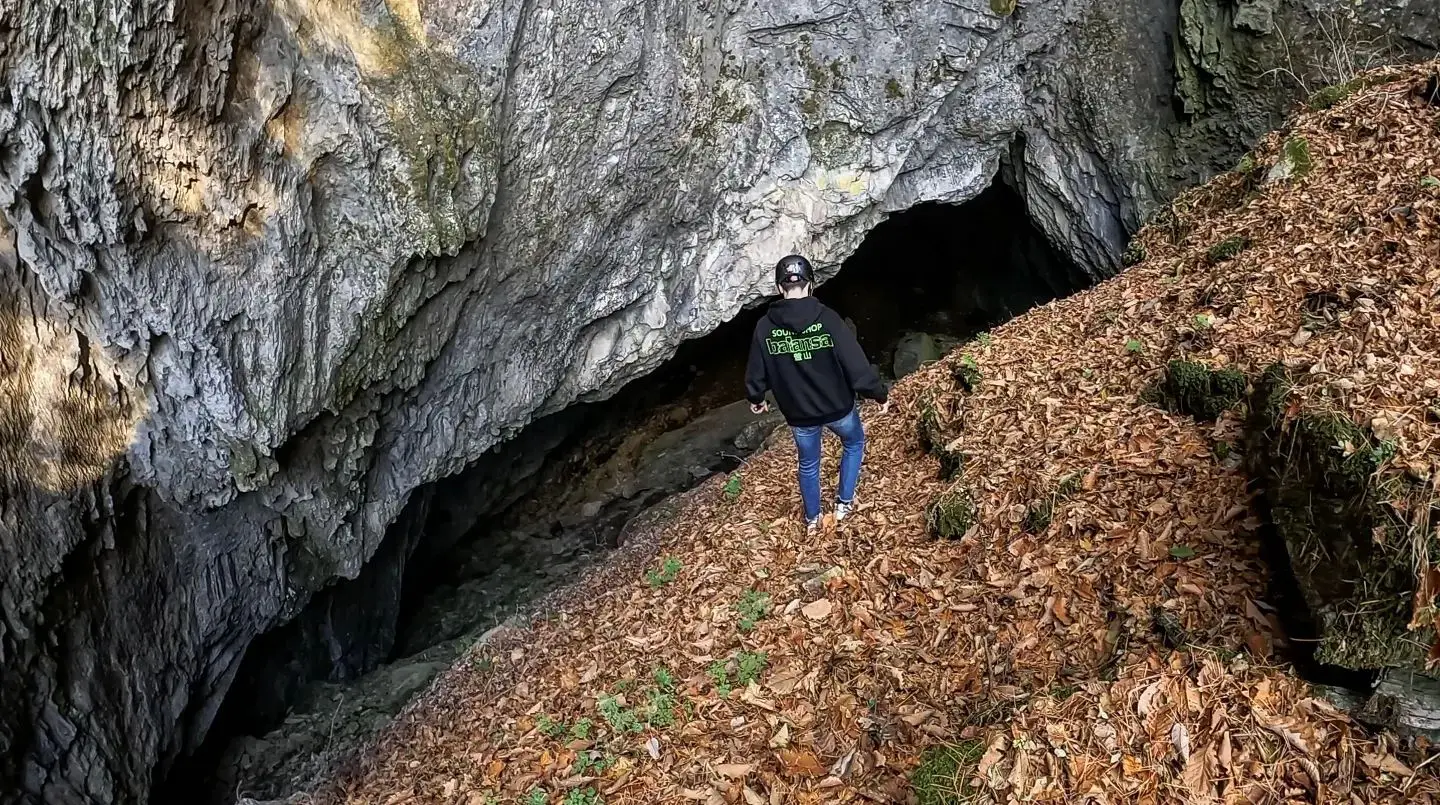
794,269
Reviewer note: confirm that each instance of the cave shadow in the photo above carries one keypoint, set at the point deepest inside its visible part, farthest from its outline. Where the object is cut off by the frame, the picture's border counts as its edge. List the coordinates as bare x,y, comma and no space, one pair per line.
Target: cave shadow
950,269
75,530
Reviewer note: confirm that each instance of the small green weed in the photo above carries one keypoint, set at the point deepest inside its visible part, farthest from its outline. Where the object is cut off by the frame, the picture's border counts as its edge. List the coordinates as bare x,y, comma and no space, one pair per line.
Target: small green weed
580,730
592,763
720,676
752,665
664,678
537,796
1202,322
1430,182
984,338
733,487
1134,347
748,665
967,374
1221,450
621,719
584,796
669,569
550,728
661,709
753,607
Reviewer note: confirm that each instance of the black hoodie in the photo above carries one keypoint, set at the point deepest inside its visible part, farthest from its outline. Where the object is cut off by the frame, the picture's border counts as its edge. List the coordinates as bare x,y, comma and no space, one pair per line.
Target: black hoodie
803,351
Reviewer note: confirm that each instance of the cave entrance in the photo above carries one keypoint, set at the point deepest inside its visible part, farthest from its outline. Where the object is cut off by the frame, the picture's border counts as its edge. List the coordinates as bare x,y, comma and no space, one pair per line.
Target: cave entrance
530,516
949,271
923,280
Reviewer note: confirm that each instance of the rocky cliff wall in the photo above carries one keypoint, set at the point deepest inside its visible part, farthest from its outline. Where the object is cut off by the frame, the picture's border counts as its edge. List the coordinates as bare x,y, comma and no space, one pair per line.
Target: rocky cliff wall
277,264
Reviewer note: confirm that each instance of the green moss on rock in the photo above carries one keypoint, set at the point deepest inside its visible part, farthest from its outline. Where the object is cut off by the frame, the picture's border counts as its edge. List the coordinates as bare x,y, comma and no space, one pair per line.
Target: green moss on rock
1227,249
1134,254
1003,7
1039,514
1327,485
1295,161
933,440
952,514
1193,389
1333,94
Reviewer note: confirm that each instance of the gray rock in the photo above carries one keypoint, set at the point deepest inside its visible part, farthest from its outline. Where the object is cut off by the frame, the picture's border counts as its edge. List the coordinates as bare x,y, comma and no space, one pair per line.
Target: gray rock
279,265
914,350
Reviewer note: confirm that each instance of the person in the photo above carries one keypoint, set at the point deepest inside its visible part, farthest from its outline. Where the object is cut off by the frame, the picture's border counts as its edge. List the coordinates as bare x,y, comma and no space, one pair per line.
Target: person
804,353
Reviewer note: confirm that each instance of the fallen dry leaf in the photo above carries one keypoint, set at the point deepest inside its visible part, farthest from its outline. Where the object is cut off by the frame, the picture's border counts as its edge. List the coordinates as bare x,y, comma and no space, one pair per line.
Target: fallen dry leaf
818,610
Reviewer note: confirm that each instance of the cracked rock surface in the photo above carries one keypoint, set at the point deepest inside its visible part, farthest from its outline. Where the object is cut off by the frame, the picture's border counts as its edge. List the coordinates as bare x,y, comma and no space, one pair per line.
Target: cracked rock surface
274,266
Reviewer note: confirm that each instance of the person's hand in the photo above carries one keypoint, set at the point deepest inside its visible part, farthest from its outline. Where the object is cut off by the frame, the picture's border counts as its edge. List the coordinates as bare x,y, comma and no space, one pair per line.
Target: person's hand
759,408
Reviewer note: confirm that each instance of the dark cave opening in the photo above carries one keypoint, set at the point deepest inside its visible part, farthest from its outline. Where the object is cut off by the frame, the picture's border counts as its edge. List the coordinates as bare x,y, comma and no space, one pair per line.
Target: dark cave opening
526,518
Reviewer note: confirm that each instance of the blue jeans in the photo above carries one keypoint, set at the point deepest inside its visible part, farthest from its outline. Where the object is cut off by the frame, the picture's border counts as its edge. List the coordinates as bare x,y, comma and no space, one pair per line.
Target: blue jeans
807,444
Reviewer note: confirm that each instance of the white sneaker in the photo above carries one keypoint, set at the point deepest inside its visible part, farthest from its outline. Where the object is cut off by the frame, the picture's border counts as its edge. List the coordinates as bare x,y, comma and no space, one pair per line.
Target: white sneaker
811,526
842,510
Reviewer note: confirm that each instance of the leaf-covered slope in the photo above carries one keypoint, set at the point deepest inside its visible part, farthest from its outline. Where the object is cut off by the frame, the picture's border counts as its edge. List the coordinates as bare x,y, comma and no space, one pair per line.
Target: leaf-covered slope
1100,632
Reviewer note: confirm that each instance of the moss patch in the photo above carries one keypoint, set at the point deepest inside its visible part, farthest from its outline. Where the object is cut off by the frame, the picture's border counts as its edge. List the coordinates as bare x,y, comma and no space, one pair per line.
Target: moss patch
941,777
1327,484
952,514
1134,254
1336,93
1003,7
1226,249
1333,94
1295,161
1193,389
1041,513
934,440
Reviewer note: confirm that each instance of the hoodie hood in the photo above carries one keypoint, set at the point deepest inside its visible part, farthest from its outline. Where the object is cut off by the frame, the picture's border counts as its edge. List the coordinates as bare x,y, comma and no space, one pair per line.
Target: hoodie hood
795,315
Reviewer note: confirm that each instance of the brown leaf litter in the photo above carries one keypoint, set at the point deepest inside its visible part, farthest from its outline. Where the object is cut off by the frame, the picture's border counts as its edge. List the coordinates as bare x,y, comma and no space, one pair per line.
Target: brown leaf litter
1037,648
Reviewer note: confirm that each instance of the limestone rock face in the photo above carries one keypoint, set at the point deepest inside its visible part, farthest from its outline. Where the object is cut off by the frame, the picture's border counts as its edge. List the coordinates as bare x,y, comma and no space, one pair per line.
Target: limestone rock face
279,264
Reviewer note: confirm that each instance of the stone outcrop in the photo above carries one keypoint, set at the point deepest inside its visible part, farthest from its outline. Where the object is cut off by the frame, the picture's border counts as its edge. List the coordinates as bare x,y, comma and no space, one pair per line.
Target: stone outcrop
280,264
